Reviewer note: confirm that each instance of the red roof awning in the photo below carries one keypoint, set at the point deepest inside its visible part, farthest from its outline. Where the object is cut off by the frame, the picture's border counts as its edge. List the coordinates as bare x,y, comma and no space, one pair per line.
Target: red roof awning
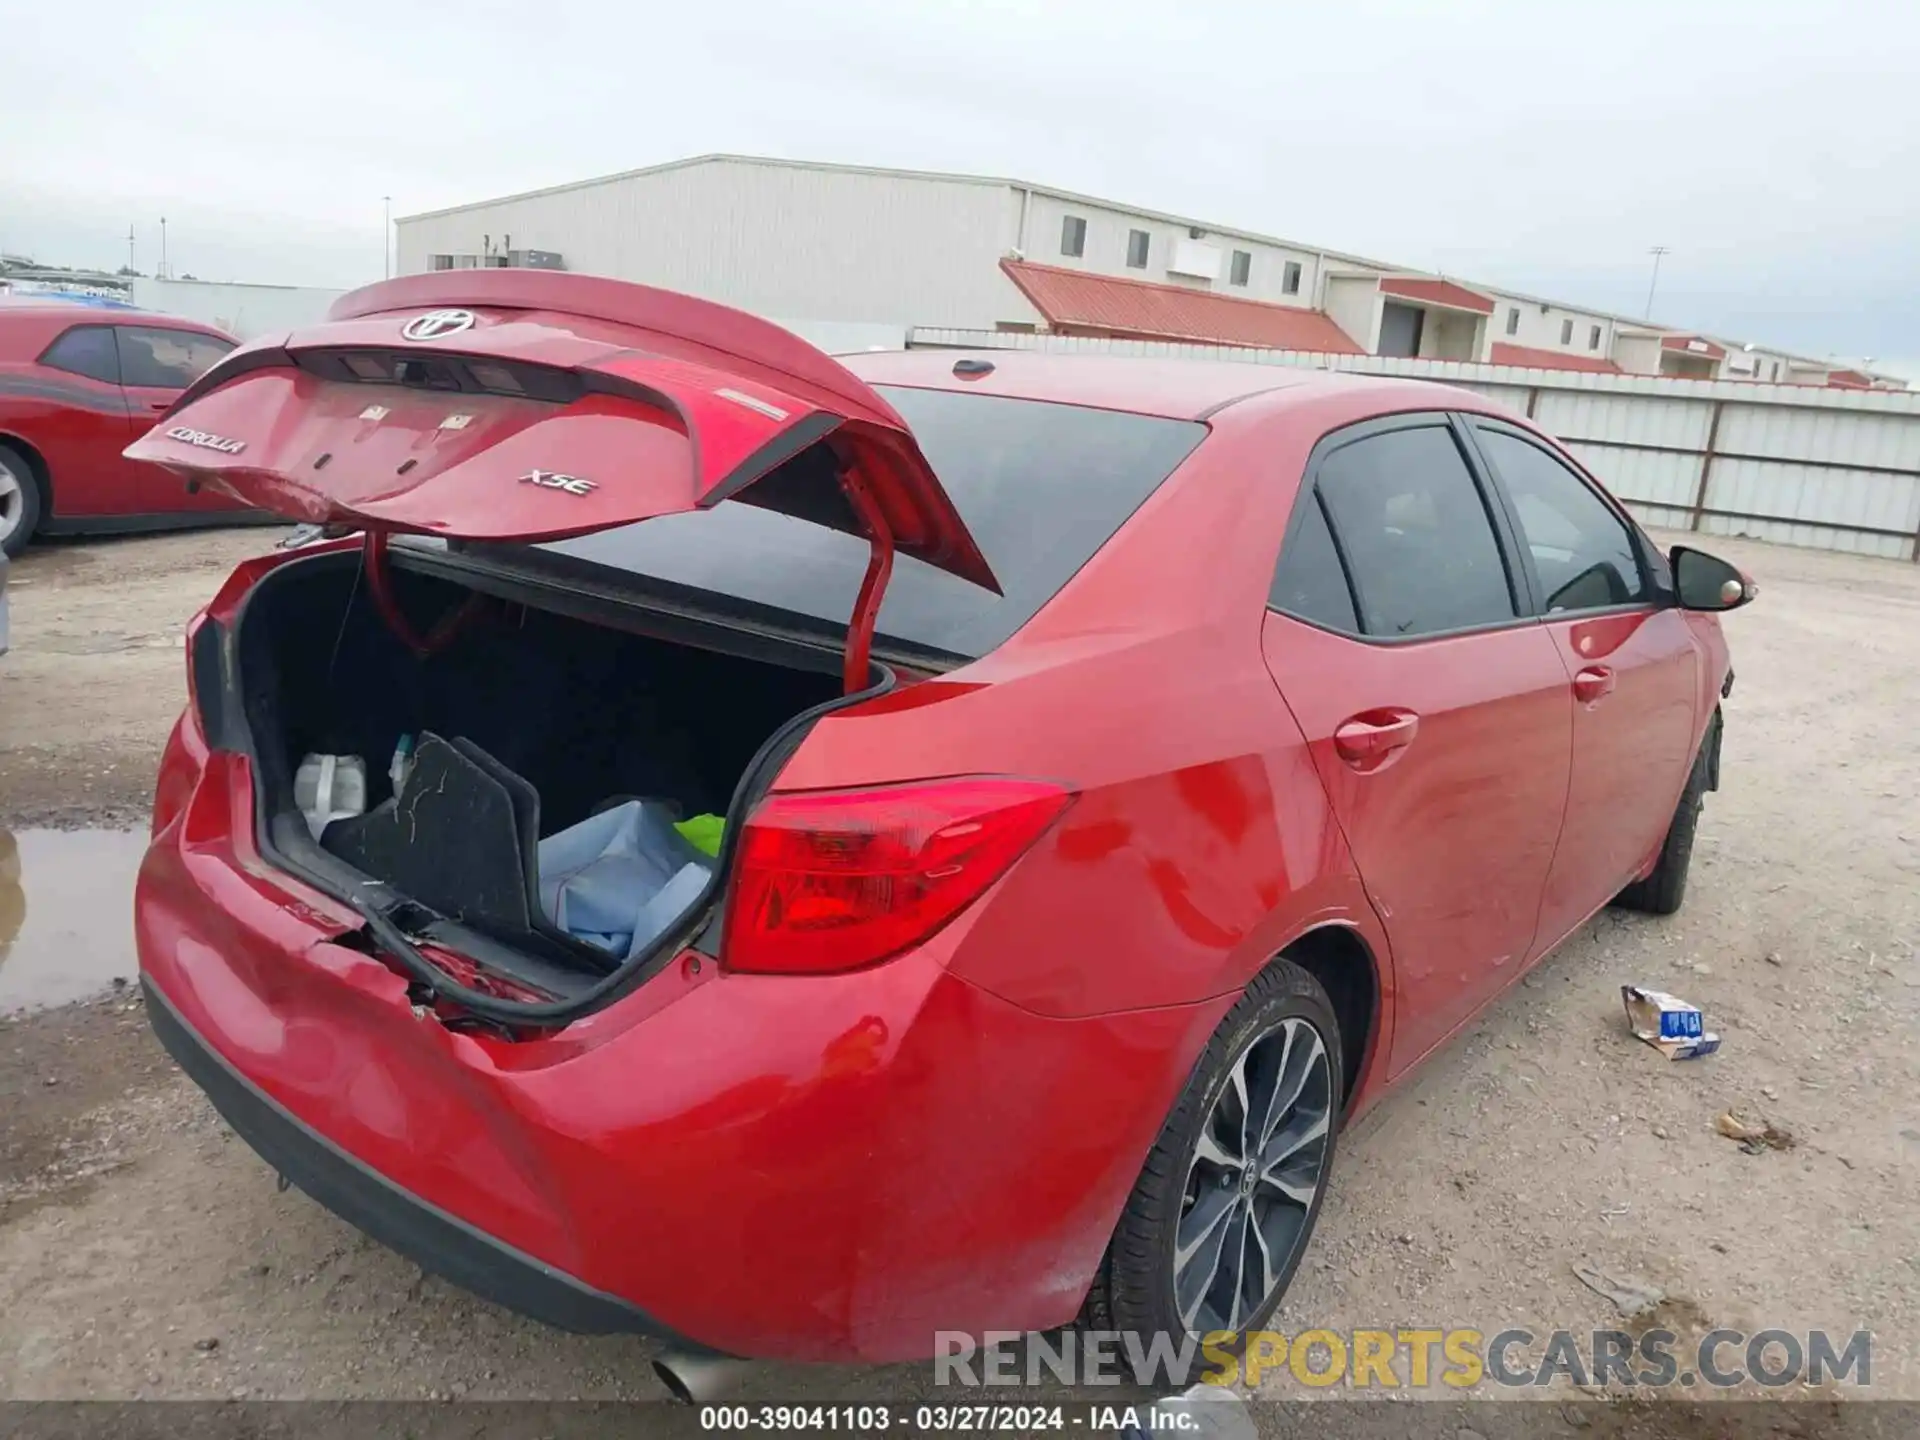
1504,354
1077,303
1436,292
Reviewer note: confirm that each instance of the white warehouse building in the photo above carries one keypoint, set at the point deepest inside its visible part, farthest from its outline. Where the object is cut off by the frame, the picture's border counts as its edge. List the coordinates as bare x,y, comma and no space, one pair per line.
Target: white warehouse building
817,246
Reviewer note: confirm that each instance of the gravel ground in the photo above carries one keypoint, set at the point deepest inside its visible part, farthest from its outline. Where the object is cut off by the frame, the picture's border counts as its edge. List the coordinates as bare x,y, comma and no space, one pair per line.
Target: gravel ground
144,1252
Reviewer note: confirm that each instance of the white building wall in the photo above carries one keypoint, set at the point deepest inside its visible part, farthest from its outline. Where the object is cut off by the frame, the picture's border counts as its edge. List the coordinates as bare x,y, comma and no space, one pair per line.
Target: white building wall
1540,326
1450,335
1637,354
1769,367
1353,303
775,239
1106,251
243,311
841,244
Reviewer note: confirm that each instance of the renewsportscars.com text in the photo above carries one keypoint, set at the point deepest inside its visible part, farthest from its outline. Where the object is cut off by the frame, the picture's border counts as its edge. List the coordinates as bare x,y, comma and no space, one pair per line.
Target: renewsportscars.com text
1409,1358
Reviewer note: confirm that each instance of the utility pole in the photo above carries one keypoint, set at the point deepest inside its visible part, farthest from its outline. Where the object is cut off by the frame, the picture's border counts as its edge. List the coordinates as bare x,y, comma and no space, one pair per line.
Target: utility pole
163,247
386,237
1657,251
132,263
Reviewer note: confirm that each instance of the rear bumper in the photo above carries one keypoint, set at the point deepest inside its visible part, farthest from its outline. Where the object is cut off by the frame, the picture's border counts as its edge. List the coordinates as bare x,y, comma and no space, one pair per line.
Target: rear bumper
828,1168
437,1242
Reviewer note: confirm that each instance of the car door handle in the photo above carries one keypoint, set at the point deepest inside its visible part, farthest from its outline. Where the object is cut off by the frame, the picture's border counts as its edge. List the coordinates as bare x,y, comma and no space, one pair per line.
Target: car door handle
1372,738
160,405
1593,683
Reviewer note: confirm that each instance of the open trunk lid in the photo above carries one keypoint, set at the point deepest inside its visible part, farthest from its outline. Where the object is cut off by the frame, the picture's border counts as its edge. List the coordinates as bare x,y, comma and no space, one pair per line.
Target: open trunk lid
532,406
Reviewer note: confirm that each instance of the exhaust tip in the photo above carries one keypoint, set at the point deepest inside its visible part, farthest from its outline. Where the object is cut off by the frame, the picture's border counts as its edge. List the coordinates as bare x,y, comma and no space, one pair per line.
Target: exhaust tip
676,1387
693,1379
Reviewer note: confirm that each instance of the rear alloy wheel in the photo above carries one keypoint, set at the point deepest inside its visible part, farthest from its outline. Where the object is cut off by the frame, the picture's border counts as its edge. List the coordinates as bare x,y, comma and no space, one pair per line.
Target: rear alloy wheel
1223,1209
19,502
1253,1180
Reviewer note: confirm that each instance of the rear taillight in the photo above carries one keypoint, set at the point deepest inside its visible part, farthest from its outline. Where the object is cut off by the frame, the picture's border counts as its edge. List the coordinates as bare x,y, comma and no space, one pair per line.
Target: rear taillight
830,880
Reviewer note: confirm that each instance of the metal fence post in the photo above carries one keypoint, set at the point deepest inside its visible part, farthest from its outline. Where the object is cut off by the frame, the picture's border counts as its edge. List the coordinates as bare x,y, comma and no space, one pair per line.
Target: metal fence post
1706,466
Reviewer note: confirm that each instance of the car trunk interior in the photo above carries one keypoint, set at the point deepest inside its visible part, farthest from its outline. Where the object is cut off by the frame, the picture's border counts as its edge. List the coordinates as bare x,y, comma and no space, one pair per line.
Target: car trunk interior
526,723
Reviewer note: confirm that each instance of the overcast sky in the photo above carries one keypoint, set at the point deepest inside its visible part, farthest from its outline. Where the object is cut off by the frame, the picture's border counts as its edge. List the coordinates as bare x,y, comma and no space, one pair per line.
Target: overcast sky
1774,145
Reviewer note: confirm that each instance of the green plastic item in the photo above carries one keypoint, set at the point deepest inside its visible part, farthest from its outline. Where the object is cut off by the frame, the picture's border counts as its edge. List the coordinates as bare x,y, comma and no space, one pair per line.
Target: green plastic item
703,832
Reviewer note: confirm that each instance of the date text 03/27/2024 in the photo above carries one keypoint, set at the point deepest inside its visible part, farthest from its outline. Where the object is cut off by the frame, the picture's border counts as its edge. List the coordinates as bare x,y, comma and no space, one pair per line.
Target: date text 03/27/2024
1094,1419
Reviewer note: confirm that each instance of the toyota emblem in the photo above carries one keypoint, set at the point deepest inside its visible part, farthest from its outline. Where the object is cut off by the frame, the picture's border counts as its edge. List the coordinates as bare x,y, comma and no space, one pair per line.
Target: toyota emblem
437,324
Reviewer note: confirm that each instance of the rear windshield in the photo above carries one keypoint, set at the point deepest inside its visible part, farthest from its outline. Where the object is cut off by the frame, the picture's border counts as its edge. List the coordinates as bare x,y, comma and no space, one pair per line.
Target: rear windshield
1041,486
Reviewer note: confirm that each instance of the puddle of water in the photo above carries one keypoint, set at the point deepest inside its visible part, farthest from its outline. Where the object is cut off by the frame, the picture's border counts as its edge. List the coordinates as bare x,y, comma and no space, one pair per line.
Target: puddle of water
66,914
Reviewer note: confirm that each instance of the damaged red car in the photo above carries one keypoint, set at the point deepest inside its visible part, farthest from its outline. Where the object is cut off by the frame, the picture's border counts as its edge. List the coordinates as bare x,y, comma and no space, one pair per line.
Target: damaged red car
797,855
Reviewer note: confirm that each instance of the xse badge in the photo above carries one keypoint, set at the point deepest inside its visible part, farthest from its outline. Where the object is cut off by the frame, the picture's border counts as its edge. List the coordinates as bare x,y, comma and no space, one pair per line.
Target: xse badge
554,480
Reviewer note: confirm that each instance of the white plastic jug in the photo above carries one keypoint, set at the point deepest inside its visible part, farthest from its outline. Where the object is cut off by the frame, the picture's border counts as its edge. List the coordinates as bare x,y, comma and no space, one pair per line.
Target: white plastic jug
328,788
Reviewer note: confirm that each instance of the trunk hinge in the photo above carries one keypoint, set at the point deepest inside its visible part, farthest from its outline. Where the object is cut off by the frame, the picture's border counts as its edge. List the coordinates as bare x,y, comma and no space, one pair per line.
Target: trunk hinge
866,609
380,585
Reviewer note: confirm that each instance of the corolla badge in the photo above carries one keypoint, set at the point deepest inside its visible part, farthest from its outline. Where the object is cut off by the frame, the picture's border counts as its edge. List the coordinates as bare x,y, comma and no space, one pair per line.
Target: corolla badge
438,324
206,440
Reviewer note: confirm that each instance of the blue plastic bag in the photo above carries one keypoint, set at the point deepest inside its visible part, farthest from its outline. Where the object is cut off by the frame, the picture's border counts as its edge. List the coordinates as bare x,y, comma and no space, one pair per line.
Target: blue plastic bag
619,879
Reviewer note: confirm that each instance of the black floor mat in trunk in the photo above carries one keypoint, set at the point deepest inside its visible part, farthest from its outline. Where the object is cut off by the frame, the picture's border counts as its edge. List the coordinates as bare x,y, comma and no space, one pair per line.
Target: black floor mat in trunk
459,839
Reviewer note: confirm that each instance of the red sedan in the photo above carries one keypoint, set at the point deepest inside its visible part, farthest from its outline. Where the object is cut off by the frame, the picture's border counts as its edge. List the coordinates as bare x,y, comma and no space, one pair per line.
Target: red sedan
77,385
1208,743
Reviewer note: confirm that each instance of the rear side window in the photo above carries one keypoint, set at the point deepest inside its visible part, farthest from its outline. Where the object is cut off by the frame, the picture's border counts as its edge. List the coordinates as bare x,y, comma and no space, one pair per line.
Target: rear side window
1310,582
166,359
1416,533
85,350
1041,486
1583,553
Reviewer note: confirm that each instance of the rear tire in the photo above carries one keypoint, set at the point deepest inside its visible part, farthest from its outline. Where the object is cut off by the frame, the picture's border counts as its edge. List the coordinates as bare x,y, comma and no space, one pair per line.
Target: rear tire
1662,891
1281,1040
19,501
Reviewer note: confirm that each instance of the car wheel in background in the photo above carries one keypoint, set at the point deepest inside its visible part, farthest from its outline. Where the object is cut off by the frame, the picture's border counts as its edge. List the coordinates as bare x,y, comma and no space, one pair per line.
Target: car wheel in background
19,501
1228,1197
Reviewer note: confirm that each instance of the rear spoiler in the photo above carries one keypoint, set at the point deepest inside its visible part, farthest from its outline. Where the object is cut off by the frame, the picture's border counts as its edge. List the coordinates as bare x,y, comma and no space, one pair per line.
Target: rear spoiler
730,336
700,331
534,405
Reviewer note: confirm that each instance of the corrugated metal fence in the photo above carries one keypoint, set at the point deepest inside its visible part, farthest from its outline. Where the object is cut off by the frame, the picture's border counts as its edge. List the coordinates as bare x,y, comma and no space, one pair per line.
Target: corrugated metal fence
243,311
1833,469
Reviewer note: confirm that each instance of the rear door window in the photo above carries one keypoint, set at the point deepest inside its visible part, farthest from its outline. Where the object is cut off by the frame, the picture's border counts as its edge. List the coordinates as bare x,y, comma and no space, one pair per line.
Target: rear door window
1310,582
1417,535
85,350
163,359
1583,553
1041,487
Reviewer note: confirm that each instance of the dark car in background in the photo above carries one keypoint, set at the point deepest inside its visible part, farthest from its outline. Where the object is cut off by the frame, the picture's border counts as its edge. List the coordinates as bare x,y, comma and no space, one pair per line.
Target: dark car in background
77,385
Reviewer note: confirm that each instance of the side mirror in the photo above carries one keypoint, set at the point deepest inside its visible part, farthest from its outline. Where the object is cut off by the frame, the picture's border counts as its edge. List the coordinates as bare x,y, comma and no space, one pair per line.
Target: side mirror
1706,582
